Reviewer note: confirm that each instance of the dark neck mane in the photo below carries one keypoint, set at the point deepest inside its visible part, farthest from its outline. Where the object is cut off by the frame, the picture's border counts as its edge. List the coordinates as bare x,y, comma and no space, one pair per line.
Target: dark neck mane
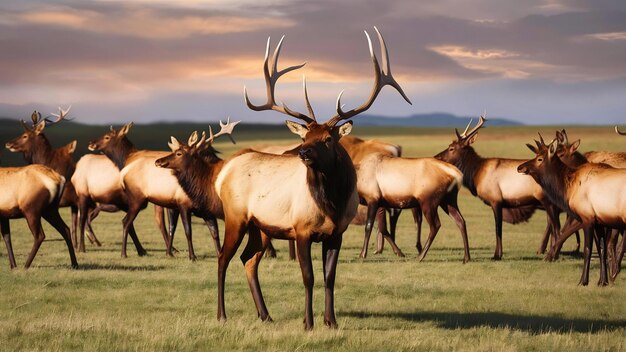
120,153
469,164
43,153
331,188
554,183
198,180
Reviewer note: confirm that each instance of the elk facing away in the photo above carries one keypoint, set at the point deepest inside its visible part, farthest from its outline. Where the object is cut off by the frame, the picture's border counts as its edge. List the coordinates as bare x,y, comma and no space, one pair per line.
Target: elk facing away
32,192
308,197
592,193
512,197
36,149
422,183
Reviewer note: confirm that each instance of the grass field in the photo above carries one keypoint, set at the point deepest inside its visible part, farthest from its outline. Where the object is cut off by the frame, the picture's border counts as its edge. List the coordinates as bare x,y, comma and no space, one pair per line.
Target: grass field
383,303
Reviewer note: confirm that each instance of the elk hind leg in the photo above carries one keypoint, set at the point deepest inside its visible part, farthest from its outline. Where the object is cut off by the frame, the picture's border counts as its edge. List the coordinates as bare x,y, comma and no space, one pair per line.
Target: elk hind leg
452,209
6,235
211,224
372,208
382,230
251,257
34,223
417,219
435,224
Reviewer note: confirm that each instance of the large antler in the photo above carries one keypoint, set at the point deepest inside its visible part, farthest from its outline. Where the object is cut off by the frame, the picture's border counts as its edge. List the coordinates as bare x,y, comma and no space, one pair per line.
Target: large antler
466,134
382,77
225,129
271,77
619,132
62,115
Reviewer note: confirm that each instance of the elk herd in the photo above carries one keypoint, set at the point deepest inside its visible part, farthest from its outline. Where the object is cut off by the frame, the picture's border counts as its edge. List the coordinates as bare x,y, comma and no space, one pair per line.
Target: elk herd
310,191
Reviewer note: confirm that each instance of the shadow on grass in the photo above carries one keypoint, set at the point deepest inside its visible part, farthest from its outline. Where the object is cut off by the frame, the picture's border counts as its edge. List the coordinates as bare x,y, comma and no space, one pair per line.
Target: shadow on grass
529,324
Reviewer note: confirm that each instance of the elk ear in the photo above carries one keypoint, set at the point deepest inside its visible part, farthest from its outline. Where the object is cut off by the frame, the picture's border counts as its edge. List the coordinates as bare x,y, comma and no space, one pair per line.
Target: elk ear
345,129
552,150
174,144
39,127
532,148
472,139
71,147
300,130
124,130
574,146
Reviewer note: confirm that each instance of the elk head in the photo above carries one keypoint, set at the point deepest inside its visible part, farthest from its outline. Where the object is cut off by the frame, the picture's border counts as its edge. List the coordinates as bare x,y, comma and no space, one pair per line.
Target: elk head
320,141
545,157
459,147
565,151
114,145
33,135
182,153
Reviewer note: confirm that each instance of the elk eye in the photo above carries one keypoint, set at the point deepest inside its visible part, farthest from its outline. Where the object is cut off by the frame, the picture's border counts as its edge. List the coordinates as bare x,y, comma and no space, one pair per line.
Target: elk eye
451,149
106,138
179,154
539,159
328,139
24,136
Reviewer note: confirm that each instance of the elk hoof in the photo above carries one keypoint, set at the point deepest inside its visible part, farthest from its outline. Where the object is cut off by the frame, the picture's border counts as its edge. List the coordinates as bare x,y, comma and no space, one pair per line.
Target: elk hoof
331,324
193,258
142,253
496,258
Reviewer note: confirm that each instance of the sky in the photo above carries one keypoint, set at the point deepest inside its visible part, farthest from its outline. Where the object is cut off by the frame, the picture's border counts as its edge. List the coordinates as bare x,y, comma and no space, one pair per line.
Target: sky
533,61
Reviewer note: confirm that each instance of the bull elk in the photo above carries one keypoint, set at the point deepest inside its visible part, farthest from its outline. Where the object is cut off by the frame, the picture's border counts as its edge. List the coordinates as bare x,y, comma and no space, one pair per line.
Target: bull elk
512,197
32,192
36,149
195,165
357,149
593,193
308,197
142,182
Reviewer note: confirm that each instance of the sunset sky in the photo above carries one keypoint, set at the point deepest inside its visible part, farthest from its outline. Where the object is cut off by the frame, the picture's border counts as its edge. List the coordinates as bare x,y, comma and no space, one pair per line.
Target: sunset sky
534,61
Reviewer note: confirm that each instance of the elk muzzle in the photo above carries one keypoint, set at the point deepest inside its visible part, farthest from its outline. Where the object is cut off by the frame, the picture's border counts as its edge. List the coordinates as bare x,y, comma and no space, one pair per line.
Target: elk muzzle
92,146
307,155
161,163
523,169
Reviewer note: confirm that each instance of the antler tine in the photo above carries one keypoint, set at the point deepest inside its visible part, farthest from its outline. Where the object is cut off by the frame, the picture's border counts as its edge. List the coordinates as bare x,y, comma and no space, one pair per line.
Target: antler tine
541,139
225,129
306,98
62,115
619,132
382,77
481,122
272,74
464,134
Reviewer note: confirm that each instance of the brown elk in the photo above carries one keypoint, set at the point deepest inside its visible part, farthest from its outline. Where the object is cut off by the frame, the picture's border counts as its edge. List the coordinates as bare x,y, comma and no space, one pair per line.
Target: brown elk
36,149
592,193
568,153
422,183
32,192
357,149
143,182
308,197
195,165
512,197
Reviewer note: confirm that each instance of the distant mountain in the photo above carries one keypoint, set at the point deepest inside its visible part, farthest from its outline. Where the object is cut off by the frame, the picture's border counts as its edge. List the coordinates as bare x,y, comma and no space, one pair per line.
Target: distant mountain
428,120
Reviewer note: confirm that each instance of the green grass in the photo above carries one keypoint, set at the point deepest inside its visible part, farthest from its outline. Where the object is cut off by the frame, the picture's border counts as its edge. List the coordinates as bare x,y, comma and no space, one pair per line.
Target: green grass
156,303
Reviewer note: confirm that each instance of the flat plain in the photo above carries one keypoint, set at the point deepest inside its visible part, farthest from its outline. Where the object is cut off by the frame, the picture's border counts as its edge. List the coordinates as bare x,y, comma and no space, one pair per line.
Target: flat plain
384,302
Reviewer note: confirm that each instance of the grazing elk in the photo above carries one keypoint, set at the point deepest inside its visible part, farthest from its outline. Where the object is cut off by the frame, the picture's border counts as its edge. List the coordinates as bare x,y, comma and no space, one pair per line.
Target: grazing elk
142,182
32,192
592,193
308,197
422,183
512,196
36,149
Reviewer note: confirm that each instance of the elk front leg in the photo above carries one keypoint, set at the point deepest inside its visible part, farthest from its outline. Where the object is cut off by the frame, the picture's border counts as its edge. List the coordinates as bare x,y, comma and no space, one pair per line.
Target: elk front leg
417,220
6,235
497,216
251,257
270,251
292,250
53,218
601,234
588,228
330,256
211,224
185,215
232,239
372,208
304,256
